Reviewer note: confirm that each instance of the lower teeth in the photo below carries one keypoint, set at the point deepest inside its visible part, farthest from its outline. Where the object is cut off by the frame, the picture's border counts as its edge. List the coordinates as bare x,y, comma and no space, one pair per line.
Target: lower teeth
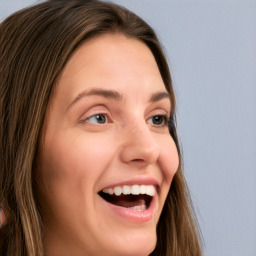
138,207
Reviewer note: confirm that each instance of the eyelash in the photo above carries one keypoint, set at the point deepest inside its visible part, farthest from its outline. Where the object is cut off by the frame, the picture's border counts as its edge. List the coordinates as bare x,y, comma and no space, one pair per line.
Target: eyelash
164,119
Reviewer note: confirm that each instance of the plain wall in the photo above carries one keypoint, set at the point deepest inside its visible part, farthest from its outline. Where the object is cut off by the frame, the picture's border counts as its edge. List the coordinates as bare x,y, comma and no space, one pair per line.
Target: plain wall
211,48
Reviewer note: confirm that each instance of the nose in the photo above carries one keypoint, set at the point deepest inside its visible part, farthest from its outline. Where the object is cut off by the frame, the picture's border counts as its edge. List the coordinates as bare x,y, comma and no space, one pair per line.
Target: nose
140,146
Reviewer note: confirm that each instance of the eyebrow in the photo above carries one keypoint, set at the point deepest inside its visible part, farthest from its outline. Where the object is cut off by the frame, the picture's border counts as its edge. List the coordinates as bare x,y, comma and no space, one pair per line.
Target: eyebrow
159,96
109,94
115,95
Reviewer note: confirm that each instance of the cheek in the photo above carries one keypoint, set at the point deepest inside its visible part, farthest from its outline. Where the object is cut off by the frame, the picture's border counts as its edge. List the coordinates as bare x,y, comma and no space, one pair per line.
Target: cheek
71,166
75,158
169,159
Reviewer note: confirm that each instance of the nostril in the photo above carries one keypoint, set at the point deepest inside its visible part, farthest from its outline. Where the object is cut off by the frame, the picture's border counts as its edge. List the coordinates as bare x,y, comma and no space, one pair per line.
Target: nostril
138,160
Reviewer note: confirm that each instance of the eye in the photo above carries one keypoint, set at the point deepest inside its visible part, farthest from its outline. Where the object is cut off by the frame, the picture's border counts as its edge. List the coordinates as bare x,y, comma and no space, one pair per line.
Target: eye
159,120
97,119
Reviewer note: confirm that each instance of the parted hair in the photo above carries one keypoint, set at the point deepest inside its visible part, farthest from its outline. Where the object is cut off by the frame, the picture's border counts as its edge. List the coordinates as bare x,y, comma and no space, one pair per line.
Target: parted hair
35,45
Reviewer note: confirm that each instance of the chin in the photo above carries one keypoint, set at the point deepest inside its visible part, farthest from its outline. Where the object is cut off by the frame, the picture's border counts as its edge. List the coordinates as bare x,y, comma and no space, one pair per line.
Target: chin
137,245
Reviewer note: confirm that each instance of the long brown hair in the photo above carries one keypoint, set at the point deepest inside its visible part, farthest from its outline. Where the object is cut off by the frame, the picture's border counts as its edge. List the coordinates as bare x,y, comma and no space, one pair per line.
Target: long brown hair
35,45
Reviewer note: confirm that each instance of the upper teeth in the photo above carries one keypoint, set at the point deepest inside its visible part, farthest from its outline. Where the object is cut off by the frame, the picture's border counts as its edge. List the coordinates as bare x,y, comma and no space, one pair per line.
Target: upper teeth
134,190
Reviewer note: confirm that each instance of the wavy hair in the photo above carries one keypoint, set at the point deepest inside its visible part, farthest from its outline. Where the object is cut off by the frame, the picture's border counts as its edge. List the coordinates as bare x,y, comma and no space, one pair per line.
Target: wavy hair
35,45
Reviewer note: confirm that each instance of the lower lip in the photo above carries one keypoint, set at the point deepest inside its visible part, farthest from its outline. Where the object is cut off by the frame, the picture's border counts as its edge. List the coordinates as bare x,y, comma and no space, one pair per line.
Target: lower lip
133,215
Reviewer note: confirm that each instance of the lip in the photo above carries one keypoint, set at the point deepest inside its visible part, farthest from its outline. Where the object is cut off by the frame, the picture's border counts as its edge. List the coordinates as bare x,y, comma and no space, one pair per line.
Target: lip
137,217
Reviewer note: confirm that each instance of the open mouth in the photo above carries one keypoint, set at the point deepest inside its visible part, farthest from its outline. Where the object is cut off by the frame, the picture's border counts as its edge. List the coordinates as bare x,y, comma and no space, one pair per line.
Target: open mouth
135,197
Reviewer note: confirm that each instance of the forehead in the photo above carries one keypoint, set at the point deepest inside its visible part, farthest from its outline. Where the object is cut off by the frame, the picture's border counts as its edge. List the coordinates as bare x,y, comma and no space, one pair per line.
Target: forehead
110,51
113,62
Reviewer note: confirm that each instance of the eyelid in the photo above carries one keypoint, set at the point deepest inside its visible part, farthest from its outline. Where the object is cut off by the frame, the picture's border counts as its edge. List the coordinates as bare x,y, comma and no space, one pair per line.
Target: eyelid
160,112
95,110
87,112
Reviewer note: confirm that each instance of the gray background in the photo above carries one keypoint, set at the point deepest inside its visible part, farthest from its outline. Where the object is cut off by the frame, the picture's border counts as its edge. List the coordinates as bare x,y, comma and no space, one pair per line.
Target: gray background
211,48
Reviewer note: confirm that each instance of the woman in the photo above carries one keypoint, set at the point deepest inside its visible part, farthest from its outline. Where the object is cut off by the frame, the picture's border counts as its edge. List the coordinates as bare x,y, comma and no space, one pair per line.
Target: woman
90,161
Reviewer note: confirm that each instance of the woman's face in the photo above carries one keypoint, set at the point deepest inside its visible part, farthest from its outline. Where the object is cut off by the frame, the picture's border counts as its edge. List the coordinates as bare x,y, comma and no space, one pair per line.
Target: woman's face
106,160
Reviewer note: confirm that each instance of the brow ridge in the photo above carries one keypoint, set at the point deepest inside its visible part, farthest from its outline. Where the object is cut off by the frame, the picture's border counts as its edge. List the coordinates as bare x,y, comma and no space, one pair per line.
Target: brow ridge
110,94
115,95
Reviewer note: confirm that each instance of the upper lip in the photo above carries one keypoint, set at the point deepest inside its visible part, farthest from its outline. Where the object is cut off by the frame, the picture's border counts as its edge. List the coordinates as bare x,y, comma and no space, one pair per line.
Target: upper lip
145,180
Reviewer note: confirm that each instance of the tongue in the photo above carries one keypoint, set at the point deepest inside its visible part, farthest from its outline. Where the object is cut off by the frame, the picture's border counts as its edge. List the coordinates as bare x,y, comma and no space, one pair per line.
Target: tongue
128,200
129,204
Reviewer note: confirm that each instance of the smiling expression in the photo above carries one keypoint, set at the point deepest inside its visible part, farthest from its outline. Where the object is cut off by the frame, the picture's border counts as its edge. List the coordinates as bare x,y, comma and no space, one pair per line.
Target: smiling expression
106,159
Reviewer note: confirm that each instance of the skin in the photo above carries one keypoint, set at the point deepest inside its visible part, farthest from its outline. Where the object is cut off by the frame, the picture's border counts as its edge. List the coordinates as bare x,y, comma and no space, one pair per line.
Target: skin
79,155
